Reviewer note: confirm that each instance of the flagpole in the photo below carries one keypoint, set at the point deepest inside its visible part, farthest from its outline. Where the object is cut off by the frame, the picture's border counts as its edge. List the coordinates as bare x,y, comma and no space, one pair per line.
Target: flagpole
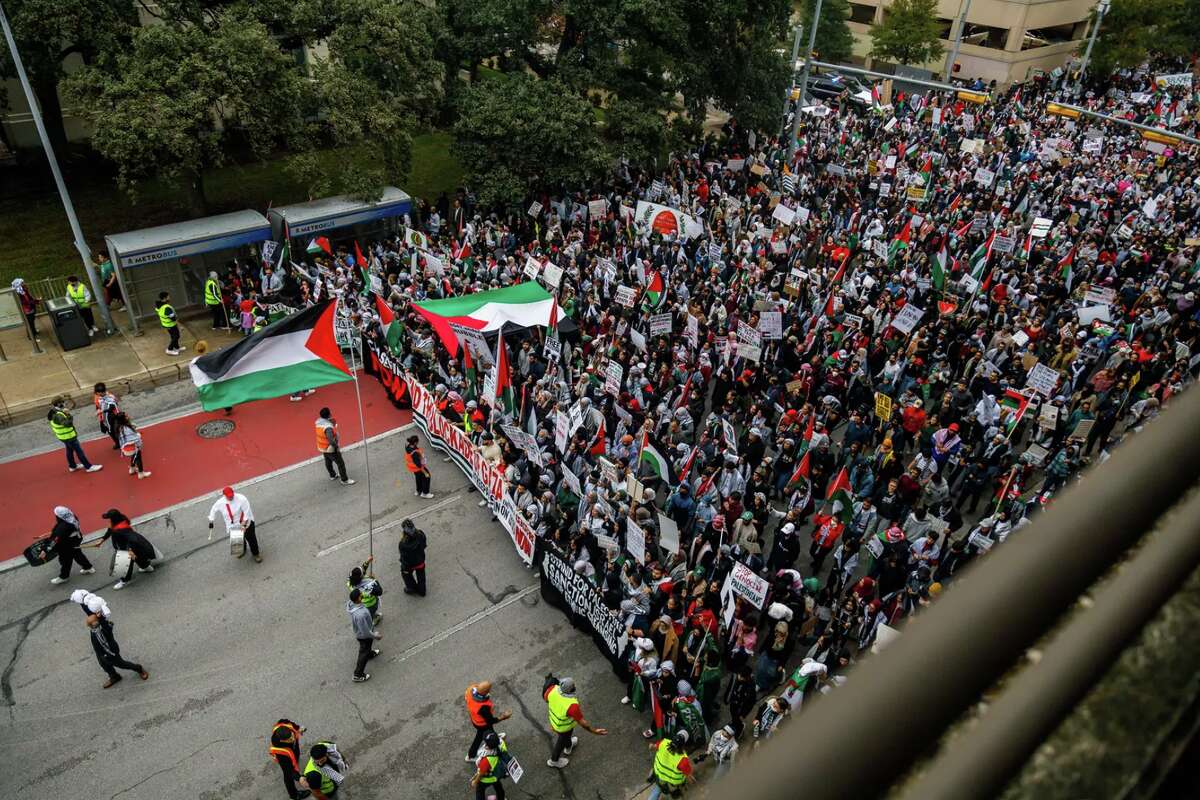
366,453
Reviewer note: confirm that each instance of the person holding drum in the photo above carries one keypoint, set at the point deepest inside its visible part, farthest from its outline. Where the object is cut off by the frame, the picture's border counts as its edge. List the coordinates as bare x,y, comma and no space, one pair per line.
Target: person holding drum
131,445
234,510
131,547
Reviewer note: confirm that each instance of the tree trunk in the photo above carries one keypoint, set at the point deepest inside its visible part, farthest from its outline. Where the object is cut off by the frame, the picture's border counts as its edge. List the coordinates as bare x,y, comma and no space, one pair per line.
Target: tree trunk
197,202
46,91
568,41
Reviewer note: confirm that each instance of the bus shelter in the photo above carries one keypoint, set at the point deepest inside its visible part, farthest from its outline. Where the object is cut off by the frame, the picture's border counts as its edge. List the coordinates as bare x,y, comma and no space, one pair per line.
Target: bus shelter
341,220
177,258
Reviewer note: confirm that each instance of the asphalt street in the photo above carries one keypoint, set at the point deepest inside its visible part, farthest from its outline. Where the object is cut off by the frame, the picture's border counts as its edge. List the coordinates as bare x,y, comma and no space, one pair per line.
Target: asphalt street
232,645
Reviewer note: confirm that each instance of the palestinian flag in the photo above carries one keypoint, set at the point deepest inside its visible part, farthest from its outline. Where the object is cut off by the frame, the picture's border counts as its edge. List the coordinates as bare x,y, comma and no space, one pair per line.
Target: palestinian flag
1015,404
392,330
1066,268
522,306
802,472
979,258
841,497
414,238
319,244
937,268
297,352
686,469
361,263
901,241
656,292
599,445
658,464
927,172
954,204
504,389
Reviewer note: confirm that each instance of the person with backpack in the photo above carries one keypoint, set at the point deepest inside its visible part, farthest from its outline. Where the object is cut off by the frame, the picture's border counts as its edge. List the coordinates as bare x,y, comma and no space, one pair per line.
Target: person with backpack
490,768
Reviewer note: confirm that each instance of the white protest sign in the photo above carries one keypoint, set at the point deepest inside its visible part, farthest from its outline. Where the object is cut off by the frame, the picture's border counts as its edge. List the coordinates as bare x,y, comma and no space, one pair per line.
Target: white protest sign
532,268
668,534
875,546
561,432
747,334
980,541
659,324
771,324
783,214
553,275
984,177
535,208
626,295
1099,295
474,343
693,330
597,209
1174,79
1003,244
748,584
639,341
1092,313
576,418
635,540
750,352
1042,379
907,318
1040,228
515,770
553,349
612,377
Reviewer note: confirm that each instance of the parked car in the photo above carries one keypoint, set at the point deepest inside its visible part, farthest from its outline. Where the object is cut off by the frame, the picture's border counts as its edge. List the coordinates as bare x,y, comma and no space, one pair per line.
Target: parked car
831,86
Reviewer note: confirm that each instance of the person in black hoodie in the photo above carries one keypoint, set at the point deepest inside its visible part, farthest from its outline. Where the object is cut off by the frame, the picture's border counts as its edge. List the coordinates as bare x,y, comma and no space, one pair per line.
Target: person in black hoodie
108,653
412,558
124,537
67,538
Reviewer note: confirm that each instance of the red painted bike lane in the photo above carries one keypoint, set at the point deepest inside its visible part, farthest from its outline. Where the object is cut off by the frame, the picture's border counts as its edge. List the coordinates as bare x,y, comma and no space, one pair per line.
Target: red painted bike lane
268,435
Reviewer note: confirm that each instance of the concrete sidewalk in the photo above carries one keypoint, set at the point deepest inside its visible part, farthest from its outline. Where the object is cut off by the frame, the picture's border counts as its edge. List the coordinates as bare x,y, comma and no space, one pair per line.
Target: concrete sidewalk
126,362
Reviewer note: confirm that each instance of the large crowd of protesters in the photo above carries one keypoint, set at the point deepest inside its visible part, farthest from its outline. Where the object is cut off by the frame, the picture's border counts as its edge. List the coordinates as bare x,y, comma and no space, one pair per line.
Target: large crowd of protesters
853,456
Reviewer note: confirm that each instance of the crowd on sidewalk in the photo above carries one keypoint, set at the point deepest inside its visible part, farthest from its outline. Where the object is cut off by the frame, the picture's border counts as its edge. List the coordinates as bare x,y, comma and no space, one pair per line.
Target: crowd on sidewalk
808,392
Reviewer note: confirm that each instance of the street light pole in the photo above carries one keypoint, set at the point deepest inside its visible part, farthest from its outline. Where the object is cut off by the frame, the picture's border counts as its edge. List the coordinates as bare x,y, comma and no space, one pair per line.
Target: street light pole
812,41
1101,10
787,99
35,111
962,26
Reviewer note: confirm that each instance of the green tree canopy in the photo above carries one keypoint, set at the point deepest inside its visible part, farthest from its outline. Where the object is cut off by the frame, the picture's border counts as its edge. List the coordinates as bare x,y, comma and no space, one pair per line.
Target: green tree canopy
170,104
517,131
1133,30
835,41
909,34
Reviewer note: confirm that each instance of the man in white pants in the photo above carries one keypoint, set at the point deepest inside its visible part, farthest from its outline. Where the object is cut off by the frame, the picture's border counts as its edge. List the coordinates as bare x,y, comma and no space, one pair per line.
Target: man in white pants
235,510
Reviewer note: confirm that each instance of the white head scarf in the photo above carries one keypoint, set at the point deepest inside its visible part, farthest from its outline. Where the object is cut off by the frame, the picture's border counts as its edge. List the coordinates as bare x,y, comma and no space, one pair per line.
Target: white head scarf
66,515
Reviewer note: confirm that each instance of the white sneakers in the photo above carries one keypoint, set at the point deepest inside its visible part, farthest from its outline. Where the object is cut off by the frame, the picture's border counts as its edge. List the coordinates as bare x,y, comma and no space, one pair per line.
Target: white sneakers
144,475
119,585
562,762
349,482
88,571
95,468
56,580
426,496
151,569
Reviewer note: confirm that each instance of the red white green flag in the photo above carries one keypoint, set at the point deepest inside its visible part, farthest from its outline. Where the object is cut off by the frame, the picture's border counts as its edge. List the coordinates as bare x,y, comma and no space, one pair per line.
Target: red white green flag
392,329
841,497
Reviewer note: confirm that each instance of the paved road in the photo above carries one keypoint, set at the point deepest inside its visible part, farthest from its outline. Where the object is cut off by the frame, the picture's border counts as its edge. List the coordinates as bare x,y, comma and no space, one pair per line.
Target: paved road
233,645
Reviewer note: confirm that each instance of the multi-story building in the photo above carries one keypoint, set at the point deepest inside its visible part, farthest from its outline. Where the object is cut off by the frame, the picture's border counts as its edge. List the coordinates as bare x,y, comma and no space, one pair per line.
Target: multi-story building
1006,41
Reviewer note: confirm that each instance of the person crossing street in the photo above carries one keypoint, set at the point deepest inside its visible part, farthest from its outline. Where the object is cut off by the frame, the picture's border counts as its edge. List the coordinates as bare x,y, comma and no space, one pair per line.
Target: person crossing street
487,768
364,632
285,751
672,768
414,461
330,446
412,558
67,538
107,410
234,510
108,652
565,713
124,538
325,771
482,712
63,426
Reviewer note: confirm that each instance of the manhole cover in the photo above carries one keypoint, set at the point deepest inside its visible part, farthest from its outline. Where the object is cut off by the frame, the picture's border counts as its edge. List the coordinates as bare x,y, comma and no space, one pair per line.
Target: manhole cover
215,429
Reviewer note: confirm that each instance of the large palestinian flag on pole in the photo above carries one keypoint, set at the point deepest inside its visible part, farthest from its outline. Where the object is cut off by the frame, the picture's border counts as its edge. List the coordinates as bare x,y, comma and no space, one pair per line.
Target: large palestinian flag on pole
297,352
524,305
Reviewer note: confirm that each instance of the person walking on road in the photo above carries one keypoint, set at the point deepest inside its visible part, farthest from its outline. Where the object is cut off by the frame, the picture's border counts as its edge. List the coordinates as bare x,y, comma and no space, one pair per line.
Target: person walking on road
364,632
285,751
482,712
234,510
63,426
170,321
330,446
412,558
325,771
108,652
131,445
565,713
124,537
414,460
363,579
67,538
81,296
487,768
106,412
672,769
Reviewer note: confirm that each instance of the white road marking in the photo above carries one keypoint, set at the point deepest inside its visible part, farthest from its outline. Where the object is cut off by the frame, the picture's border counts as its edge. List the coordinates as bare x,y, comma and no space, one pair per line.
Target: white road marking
20,561
466,623
389,525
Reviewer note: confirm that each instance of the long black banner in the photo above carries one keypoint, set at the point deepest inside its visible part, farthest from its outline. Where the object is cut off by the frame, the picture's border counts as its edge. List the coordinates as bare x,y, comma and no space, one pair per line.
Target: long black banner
572,594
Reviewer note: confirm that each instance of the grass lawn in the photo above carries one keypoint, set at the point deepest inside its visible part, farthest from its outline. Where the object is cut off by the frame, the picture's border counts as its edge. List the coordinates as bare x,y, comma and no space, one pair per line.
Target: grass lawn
37,239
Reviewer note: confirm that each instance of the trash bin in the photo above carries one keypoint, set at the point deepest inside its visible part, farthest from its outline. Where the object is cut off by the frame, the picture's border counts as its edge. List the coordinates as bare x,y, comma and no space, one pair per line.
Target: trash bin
69,326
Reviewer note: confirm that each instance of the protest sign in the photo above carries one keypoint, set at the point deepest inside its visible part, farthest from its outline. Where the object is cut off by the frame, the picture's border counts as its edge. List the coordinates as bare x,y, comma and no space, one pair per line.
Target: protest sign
784,214
552,349
750,352
532,269
1042,379
770,324
571,592
907,318
660,324
668,540
635,540
535,208
693,330
747,583
1040,228
553,275
598,209
883,406
984,177
639,341
613,375
626,296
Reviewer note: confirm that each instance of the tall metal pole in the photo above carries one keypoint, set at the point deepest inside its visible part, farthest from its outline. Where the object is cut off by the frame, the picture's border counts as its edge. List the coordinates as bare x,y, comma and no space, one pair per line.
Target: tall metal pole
787,99
35,111
366,449
962,25
1101,10
812,41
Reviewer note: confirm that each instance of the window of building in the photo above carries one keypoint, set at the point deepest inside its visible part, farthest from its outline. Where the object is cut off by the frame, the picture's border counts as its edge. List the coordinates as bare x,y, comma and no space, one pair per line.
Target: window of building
947,26
1055,34
985,36
860,12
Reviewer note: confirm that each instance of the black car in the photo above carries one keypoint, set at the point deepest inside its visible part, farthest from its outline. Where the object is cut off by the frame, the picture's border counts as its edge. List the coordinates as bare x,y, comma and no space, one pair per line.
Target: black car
831,86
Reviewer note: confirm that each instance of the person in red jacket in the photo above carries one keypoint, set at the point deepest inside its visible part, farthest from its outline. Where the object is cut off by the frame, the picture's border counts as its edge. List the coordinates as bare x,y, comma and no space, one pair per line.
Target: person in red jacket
829,529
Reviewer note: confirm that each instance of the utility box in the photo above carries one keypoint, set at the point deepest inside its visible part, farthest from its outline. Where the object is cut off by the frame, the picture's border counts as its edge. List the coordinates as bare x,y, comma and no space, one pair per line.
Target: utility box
68,324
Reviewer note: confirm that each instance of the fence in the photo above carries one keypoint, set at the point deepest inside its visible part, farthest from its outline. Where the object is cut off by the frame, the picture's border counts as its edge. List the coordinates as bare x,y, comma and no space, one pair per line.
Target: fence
42,288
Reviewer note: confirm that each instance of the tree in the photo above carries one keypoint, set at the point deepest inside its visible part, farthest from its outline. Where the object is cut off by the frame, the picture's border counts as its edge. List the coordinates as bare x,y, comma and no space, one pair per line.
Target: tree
909,34
516,132
1133,30
173,103
48,32
835,41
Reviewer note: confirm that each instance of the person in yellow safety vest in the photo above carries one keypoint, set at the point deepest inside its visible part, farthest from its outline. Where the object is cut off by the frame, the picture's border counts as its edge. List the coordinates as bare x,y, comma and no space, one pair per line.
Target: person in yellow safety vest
565,713
63,426
330,446
285,751
82,298
363,579
169,320
473,418
215,304
487,768
672,769
322,762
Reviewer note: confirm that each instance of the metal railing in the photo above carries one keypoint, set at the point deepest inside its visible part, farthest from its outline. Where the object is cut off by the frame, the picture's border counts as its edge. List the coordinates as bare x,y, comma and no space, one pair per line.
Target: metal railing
42,288
859,740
